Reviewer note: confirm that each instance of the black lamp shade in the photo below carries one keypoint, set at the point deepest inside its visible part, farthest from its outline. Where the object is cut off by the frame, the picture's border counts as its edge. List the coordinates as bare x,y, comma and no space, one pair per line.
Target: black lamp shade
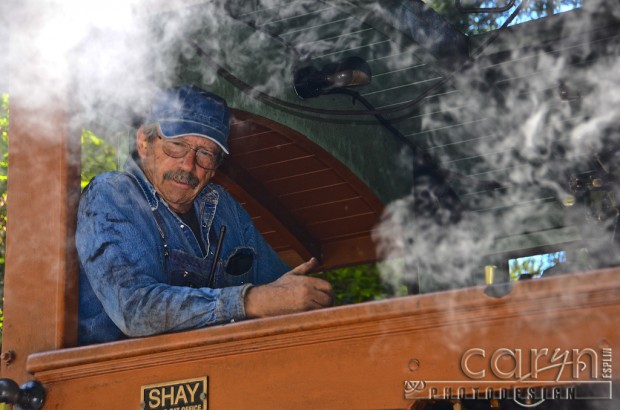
352,71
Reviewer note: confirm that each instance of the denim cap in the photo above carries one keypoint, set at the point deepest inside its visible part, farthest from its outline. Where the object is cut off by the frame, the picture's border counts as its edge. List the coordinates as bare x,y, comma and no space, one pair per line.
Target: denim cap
189,110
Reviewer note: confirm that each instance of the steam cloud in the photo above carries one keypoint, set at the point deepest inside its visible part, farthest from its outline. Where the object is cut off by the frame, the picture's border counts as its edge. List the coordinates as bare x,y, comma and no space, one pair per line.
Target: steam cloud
521,133
119,52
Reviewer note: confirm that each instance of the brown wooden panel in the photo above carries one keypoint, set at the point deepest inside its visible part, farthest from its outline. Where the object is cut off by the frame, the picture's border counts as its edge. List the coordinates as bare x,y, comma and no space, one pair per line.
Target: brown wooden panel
271,208
273,171
262,224
332,210
318,196
356,356
234,189
349,251
41,271
328,160
248,143
290,257
276,240
270,155
246,127
344,227
297,183
290,167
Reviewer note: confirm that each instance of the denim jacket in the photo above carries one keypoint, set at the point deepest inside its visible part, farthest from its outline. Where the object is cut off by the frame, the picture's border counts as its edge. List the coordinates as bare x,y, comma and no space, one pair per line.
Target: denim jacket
142,271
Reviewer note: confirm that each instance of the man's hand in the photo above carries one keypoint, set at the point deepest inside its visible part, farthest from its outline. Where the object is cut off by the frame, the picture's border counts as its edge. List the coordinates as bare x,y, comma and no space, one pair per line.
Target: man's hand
292,292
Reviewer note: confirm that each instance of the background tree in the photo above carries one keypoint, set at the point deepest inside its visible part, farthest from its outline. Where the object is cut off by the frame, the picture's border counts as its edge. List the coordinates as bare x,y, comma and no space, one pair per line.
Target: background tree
98,156
535,265
476,23
357,284
4,163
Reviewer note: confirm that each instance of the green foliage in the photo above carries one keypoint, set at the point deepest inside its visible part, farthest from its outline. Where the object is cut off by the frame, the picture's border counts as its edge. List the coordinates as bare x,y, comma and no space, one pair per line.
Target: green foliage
535,265
98,156
4,165
356,284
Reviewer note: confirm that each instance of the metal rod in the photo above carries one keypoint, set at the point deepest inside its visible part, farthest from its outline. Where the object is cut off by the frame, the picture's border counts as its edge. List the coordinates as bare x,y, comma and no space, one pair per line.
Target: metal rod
218,250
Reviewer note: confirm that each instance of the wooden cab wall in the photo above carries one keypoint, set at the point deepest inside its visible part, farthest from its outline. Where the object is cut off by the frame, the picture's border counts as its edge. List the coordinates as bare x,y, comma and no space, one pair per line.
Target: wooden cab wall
315,186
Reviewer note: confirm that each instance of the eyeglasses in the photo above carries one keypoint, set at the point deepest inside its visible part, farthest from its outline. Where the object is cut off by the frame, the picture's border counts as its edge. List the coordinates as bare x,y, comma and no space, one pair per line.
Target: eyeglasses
178,149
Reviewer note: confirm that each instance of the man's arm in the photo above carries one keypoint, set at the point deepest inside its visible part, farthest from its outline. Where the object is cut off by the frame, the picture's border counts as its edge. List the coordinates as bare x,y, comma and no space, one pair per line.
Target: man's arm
122,257
277,289
292,292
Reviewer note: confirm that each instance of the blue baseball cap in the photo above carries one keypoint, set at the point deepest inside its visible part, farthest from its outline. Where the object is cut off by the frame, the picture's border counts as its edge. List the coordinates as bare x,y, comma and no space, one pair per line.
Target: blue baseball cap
189,110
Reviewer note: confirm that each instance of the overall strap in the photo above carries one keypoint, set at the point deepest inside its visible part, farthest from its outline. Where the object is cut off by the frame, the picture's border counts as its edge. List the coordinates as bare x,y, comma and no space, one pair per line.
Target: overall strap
160,228
158,220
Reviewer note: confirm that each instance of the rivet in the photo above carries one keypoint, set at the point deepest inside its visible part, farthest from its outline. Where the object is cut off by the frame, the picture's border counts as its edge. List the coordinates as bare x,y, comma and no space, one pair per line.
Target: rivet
604,344
8,357
414,364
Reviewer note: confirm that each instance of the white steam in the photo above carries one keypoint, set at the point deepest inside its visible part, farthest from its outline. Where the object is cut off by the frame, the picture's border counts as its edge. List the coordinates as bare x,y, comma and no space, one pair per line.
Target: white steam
521,133
118,52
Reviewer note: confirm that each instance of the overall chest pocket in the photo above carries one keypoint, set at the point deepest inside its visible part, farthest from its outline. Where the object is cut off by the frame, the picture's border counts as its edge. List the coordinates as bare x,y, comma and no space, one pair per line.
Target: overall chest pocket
187,270
184,269
237,267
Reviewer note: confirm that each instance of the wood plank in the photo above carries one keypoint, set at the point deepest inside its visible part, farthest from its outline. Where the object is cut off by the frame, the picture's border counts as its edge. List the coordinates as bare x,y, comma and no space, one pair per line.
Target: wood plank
270,155
290,257
332,210
41,276
297,183
244,143
325,157
323,181
261,223
276,241
344,227
356,356
352,251
313,197
297,166
270,207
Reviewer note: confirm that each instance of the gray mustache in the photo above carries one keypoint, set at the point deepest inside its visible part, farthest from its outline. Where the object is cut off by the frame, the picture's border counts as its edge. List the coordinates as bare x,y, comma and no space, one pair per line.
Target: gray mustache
183,177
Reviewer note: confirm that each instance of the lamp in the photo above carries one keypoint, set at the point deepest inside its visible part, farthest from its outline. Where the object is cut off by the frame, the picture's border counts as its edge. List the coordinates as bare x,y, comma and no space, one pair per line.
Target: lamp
310,82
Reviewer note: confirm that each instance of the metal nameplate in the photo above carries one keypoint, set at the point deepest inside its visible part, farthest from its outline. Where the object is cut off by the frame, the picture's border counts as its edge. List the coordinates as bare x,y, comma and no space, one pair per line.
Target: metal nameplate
189,394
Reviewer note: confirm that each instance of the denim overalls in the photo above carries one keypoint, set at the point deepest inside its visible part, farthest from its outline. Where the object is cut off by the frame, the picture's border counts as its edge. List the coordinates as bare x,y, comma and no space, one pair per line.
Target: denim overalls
142,271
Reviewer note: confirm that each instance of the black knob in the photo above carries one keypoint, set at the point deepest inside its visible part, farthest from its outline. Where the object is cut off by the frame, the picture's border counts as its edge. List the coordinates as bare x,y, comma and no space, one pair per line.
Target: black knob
32,396
9,391
29,396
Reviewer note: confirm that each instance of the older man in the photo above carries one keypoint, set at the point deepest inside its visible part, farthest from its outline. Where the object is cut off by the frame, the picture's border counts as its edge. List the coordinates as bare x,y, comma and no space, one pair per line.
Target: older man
162,249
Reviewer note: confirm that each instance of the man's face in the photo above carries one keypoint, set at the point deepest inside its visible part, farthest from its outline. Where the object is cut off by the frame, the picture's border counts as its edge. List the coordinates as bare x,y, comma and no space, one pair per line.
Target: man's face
177,180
